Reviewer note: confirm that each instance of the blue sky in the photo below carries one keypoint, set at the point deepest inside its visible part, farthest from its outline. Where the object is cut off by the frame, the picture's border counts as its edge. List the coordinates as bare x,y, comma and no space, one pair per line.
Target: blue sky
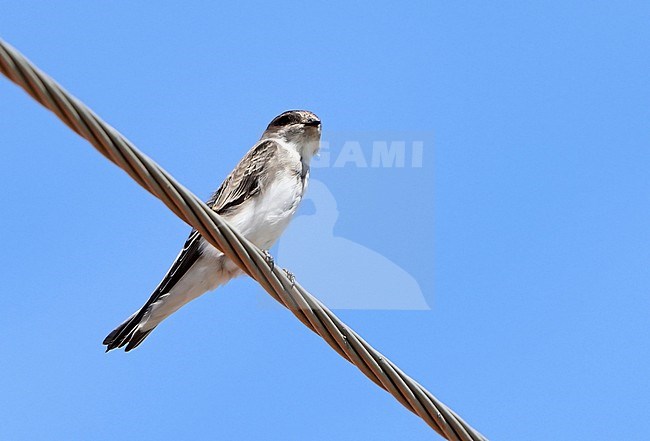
526,227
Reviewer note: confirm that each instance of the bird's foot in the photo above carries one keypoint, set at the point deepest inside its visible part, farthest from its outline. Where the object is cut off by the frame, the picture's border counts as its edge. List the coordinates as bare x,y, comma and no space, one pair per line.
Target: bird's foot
269,259
290,276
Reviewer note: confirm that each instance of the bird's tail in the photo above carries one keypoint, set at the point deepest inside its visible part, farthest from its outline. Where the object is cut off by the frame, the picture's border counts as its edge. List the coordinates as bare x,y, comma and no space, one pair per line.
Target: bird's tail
129,333
171,294
159,306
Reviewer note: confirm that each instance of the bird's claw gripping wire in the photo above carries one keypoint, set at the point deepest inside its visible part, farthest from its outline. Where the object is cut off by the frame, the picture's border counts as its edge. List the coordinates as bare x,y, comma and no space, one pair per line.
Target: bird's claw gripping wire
269,259
290,276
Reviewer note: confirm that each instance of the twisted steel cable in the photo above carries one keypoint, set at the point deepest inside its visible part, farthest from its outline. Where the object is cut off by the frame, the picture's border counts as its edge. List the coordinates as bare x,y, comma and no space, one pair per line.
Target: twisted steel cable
309,310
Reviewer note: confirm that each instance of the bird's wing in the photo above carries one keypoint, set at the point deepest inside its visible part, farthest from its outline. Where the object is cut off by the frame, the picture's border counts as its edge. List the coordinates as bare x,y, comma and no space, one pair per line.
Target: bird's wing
189,254
243,183
245,180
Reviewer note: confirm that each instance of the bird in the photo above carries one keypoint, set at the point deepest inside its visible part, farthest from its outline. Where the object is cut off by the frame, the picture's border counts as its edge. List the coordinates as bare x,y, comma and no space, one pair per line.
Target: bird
258,198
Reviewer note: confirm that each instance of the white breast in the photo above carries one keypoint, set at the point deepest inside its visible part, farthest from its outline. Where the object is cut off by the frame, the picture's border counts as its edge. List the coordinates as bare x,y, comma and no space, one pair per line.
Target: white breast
275,208
264,217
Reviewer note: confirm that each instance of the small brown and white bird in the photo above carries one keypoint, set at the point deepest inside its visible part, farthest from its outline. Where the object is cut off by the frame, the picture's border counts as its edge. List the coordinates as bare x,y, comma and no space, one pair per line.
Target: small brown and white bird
258,198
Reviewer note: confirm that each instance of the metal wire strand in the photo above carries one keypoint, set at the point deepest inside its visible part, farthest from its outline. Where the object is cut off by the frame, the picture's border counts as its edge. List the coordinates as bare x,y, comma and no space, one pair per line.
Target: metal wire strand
309,310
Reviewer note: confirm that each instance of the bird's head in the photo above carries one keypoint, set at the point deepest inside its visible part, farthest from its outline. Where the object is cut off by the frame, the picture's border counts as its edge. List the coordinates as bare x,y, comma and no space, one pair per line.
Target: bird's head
298,127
